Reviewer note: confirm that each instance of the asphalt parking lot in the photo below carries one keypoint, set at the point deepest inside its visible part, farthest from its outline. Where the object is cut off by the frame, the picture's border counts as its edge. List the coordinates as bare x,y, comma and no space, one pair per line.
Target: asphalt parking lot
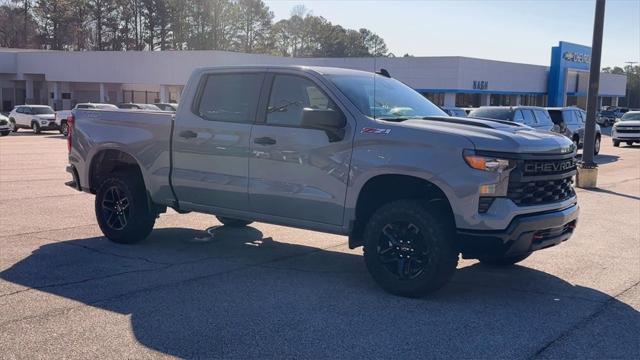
198,290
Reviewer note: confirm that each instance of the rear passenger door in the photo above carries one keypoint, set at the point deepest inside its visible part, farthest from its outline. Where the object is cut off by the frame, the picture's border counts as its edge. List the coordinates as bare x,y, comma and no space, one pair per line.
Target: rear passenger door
211,142
297,172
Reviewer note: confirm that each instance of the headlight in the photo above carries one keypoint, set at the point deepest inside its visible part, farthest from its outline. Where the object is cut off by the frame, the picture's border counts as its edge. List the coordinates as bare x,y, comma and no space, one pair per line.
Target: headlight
485,163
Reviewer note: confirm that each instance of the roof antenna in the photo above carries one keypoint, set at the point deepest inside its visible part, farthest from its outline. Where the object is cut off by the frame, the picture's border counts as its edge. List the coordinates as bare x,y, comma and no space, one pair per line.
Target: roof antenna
384,73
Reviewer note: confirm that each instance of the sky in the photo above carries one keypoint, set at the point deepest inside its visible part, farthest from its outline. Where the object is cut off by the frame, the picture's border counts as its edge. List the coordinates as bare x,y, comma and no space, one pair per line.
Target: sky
516,30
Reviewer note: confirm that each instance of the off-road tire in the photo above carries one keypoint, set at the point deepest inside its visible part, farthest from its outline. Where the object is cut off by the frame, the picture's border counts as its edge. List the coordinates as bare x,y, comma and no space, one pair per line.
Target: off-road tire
434,240
504,261
231,222
139,218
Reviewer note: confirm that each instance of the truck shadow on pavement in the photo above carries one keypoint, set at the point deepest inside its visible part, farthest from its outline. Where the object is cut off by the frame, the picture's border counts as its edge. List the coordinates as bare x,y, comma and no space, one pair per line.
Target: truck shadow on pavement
234,293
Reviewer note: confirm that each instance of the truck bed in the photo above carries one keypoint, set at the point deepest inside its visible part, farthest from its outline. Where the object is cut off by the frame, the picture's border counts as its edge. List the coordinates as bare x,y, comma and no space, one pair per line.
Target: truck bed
143,135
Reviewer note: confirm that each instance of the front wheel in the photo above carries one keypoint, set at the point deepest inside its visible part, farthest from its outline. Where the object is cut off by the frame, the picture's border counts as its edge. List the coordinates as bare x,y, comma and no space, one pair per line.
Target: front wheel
35,127
409,250
616,143
13,126
504,261
596,146
629,143
231,222
64,129
5,133
122,209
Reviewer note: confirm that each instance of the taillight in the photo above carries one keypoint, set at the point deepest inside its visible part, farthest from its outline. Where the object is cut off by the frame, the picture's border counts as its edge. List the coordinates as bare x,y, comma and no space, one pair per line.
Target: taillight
70,122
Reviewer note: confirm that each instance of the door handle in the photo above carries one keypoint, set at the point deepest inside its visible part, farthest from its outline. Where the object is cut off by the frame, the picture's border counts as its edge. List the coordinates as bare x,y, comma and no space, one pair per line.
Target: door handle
265,141
188,134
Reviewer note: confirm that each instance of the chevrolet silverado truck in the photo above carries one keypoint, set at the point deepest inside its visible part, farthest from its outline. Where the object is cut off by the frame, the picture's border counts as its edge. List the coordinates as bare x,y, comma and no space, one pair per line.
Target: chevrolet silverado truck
338,151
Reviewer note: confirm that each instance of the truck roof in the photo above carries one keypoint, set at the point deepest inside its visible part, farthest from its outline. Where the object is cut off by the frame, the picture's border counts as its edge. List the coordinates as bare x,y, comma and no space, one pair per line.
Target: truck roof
322,70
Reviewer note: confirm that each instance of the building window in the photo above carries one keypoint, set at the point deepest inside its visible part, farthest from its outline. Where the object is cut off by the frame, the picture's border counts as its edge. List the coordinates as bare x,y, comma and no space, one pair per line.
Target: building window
468,100
66,96
436,98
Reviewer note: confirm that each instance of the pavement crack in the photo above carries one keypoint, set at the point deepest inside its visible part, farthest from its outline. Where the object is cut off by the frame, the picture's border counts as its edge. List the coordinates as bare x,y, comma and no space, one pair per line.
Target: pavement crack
582,322
116,255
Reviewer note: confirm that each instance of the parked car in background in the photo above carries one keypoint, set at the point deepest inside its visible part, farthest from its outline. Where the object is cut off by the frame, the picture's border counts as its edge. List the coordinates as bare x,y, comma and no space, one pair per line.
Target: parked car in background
468,110
606,118
138,106
63,115
454,111
35,117
534,116
571,122
626,129
5,129
167,106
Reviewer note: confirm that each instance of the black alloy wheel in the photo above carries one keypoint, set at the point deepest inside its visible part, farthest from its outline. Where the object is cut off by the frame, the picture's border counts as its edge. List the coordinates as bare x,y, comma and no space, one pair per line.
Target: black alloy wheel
403,249
115,208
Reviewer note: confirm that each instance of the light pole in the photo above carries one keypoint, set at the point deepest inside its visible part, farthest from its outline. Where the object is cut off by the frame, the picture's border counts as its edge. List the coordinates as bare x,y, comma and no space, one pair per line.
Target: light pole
587,169
626,89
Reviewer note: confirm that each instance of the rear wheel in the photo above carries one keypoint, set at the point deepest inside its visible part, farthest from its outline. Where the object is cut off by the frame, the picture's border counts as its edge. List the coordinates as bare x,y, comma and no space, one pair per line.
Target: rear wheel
504,261
409,250
629,143
122,209
596,146
616,143
64,129
35,127
231,222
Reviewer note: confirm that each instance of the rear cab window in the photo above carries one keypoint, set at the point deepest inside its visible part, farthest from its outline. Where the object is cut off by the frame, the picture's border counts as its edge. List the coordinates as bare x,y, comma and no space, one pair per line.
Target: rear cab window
230,97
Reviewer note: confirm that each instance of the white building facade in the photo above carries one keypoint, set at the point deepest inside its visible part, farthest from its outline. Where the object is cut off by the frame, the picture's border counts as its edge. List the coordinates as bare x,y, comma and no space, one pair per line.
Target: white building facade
62,79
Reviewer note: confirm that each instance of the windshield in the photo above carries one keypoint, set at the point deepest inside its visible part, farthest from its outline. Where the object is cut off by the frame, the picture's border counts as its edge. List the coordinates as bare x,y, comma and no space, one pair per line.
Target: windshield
41,111
492,113
630,116
389,100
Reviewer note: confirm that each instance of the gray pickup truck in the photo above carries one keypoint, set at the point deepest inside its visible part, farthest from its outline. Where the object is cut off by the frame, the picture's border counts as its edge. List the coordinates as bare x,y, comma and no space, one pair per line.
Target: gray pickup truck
338,151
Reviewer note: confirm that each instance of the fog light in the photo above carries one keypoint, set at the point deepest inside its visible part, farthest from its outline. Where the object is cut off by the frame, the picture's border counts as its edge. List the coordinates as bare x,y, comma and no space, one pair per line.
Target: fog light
484,204
488,189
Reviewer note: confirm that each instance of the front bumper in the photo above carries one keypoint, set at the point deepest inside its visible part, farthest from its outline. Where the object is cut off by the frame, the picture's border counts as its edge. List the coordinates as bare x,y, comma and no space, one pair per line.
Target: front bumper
525,234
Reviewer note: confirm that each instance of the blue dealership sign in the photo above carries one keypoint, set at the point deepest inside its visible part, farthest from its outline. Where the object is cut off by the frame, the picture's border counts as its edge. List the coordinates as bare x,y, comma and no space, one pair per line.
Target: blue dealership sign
563,57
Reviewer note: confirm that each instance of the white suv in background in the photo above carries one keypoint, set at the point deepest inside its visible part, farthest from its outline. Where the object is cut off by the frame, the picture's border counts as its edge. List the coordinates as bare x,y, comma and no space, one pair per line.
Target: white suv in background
35,117
626,129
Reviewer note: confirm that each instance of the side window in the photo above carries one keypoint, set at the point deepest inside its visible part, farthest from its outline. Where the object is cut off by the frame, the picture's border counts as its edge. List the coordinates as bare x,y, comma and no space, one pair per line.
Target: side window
517,117
529,119
230,97
19,110
290,95
83,106
542,117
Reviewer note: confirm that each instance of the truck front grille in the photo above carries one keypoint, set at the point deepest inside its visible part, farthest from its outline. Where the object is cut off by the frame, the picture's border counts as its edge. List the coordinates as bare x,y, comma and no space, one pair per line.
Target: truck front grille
540,191
628,130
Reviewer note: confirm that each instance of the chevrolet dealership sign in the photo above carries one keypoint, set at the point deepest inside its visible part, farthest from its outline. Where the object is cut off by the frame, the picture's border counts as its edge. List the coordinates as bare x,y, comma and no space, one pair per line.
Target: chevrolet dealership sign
577,57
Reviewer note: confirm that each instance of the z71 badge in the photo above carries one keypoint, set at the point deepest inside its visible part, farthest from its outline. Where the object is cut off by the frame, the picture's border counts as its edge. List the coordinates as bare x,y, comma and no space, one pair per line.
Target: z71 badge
368,130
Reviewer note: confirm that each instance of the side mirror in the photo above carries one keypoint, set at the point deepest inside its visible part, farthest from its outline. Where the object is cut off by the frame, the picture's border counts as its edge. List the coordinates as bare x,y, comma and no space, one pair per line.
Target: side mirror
331,121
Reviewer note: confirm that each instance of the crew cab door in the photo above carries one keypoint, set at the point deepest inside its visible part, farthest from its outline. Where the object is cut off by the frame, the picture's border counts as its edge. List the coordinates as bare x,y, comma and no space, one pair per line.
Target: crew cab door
297,170
211,142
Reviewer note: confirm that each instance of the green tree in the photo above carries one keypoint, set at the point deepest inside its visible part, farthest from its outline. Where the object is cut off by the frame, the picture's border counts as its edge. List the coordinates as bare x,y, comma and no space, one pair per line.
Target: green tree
253,21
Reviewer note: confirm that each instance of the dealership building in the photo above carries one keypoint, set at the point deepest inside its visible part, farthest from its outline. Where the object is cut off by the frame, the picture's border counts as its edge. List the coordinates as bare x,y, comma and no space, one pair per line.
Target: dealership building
62,79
